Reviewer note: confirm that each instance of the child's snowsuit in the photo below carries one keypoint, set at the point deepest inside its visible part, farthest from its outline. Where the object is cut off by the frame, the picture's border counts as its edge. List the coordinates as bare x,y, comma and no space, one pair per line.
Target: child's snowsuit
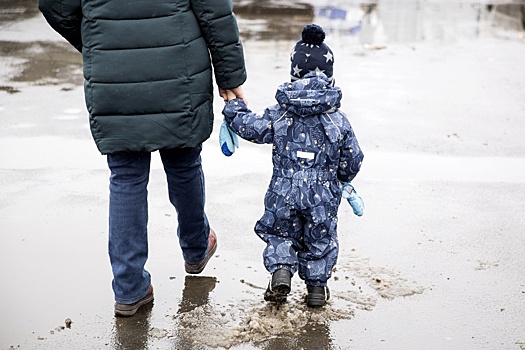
314,149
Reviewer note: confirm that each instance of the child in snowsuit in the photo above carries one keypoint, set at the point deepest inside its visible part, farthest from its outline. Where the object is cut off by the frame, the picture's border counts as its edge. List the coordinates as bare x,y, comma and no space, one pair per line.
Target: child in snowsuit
314,151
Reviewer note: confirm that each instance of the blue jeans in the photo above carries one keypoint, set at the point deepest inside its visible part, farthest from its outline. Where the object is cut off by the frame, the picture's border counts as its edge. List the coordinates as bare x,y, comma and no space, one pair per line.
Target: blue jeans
128,214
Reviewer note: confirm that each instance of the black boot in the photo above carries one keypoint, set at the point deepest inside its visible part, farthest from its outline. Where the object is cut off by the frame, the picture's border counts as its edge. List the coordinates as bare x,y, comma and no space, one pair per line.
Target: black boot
279,287
317,296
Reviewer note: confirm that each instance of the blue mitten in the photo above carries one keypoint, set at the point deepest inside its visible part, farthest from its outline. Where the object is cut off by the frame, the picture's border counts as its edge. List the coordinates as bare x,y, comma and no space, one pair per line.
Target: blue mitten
356,202
227,139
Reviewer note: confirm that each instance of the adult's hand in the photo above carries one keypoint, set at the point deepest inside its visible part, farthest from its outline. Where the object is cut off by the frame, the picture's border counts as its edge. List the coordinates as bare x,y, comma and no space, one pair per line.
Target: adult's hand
236,91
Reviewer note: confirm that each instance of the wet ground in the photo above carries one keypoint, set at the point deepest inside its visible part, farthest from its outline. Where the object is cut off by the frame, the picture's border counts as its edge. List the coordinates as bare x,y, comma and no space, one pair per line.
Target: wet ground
434,92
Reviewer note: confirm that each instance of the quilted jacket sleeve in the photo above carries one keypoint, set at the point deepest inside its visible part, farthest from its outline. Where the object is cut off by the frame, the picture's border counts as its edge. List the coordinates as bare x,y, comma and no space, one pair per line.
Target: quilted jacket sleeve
219,28
65,17
351,157
248,125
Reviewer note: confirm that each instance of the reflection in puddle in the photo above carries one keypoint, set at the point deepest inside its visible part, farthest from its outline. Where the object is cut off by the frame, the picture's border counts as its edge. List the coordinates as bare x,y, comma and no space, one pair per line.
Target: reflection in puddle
272,20
374,24
133,332
247,319
201,322
313,336
196,292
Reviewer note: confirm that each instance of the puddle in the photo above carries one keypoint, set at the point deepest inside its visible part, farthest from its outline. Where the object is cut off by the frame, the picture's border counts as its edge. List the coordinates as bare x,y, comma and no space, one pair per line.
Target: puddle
203,319
372,25
41,63
17,10
375,24
357,285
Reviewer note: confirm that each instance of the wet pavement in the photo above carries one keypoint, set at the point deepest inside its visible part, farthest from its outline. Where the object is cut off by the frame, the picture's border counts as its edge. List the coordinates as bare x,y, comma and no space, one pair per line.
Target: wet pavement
434,92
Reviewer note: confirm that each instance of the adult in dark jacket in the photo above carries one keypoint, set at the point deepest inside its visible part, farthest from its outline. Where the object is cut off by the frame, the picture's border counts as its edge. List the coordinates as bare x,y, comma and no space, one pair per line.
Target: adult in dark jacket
148,87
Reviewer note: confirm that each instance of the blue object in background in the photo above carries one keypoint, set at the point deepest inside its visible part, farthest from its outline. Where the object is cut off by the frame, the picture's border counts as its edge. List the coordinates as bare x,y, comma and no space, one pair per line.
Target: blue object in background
337,13
355,29
332,13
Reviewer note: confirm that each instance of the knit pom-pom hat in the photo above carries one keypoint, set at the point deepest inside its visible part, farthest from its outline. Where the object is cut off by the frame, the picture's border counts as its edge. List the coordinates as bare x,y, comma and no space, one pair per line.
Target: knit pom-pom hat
311,54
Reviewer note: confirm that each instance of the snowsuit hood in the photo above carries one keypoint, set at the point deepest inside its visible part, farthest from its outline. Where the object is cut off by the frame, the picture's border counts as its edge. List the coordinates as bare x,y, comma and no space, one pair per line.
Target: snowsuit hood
313,94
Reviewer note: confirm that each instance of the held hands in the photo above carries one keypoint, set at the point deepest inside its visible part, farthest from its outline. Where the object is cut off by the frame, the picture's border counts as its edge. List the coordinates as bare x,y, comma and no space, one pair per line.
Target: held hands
230,94
356,202
228,140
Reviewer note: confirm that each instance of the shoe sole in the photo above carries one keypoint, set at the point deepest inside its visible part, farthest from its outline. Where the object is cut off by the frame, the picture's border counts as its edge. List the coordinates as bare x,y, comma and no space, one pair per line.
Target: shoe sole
124,310
198,268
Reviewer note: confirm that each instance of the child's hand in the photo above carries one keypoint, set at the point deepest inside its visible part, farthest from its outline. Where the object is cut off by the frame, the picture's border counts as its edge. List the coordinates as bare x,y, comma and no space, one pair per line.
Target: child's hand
355,201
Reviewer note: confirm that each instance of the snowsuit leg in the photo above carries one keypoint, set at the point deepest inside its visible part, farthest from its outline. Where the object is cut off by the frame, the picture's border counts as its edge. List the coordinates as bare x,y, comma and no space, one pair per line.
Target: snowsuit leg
319,203
320,253
281,229
300,231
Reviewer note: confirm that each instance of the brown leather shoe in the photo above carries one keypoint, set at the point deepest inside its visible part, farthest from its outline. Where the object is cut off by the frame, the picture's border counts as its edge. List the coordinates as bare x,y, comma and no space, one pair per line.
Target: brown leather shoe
126,310
198,267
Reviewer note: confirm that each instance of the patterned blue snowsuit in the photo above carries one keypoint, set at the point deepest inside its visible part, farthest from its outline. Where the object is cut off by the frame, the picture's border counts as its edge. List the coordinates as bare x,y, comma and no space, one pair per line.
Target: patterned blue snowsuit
314,149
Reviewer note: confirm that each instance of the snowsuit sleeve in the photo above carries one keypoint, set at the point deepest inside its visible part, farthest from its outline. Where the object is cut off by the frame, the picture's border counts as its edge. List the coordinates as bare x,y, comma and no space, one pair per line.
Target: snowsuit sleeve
65,17
219,28
351,157
249,125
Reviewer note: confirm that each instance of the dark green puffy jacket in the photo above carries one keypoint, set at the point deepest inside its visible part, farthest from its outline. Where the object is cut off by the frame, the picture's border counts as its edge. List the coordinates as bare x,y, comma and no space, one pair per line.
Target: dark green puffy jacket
147,67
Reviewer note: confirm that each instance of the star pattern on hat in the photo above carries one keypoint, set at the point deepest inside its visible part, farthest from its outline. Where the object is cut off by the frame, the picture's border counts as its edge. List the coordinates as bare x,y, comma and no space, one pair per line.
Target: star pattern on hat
328,56
297,70
310,45
311,55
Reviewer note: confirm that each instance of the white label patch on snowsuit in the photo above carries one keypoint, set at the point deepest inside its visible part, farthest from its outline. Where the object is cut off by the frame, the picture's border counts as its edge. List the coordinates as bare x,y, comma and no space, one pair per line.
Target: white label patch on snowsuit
306,155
